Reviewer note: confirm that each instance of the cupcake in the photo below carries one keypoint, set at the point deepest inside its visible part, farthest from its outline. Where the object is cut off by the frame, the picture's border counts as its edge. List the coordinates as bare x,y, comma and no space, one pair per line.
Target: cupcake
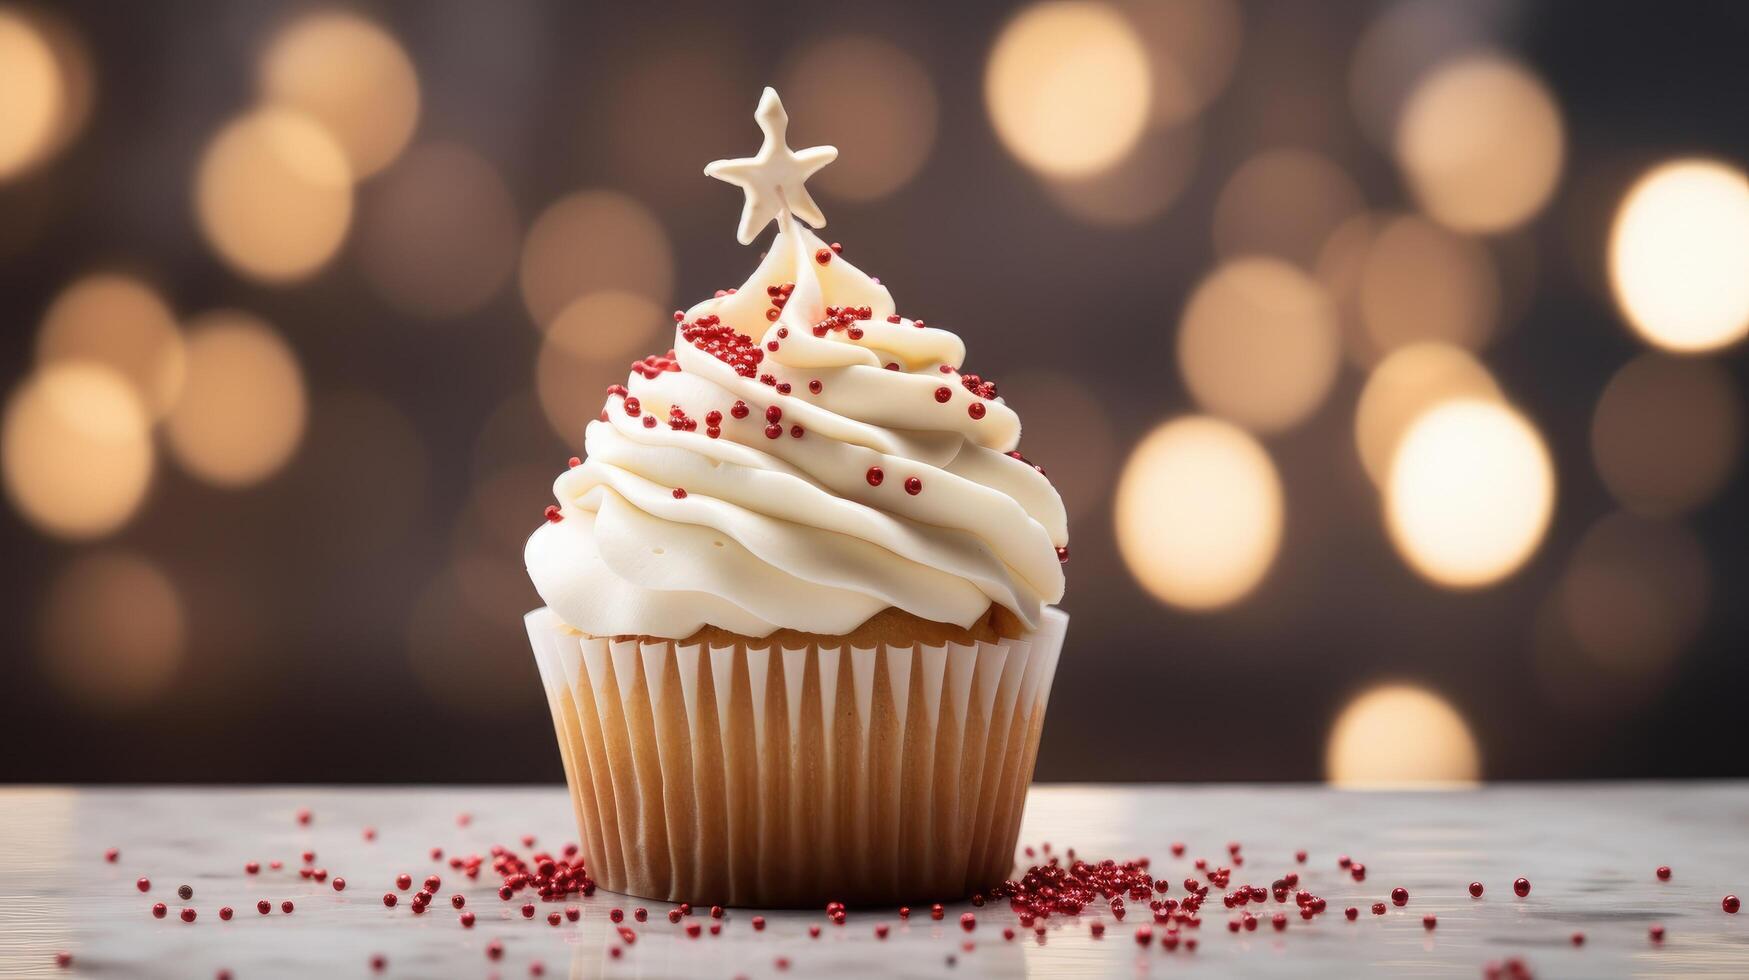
798,636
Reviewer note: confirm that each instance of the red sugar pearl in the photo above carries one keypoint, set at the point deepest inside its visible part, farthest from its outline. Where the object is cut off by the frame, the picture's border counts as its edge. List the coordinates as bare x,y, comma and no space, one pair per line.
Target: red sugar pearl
1578,939
759,923
1521,887
1475,889
264,906
1357,871
935,911
815,386
774,414
716,911
1657,933
943,393
673,915
403,881
458,900
796,431
823,256
528,910
253,867
738,410
552,513
187,915
693,929
379,963
286,907
225,913
144,884
63,959
880,930
1429,921
641,914
1351,912
1378,908
773,431
304,817
679,493
467,920
1664,872
554,918
184,892
976,411
494,950
1279,921
339,884
389,899
968,922
913,486
1731,904
1399,897
112,855
160,910
875,476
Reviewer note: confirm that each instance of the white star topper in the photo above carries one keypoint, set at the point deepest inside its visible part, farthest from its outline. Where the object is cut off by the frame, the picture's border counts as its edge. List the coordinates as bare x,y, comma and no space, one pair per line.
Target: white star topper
774,178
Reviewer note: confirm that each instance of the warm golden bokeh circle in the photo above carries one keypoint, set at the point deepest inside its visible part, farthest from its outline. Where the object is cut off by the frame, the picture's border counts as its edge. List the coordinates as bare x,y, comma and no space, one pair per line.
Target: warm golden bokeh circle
1198,513
591,242
1666,433
121,323
243,408
1401,736
889,95
1470,492
273,195
437,232
1635,593
1284,203
33,94
1394,52
1138,188
1481,142
1677,255
113,631
588,346
1259,344
76,450
1410,381
353,77
1068,87
1422,282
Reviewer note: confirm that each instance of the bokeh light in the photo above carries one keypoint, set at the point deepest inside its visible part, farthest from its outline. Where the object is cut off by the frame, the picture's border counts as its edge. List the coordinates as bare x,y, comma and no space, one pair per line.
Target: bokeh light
592,242
889,94
1068,432
1283,202
587,348
1192,45
32,94
1666,433
1068,87
1401,736
1138,188
1470,493
121,323
1635,593
1198,513
1410,381
1677,255
437,234
76,449
243,408
113,631
1394,51
274,195
1259,344
350,75
1421,282
1481,143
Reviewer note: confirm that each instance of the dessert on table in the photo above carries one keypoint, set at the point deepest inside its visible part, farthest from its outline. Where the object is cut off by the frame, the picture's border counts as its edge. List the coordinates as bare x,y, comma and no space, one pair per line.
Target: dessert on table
799,630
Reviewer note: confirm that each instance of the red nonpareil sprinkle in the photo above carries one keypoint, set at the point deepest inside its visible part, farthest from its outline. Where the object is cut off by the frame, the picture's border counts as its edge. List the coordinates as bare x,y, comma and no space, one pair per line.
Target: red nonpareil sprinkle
1429,921
693,929
641,914
63,959
1279,921
494,950
1475,889
1357,871
552,513
1177,848
1399,897
1378,908
264,906
1656,932
309,857
506,892
528,910
679,493
144,884
823,256
286,906
796,432
904,911
304,817
716,911
674,915
880,930
1663,872
112,855
943,394
253,867
1144,935
554,918
320,874
1351,913
573,913
968,921
976,411
913,486
781,963
458,900
379,963
1096,928
773,431
759,923
815,387
389,899
537,969
936,911
616,916
275,864
403,881
649,421
836,248
1578,939
1250,922
187,915
1731,904
160,910
184,892
1521,887
467,920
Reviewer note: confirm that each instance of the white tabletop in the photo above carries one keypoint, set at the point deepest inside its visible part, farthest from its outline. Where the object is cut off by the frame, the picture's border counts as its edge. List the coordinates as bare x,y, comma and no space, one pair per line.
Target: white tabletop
1589,850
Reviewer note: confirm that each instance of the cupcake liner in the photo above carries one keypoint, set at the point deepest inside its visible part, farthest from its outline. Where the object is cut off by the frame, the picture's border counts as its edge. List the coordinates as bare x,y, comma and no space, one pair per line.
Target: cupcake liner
753,776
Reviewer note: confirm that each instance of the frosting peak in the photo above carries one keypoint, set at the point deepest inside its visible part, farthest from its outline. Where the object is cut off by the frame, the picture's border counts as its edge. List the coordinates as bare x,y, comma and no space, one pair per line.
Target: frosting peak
802,459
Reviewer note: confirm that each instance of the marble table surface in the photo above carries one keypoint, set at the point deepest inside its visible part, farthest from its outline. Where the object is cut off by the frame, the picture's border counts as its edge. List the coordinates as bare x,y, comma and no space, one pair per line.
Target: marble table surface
1590,851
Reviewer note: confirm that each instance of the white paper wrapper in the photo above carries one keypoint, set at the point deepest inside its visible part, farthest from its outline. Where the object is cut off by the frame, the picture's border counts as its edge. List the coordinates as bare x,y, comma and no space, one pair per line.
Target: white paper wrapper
793,777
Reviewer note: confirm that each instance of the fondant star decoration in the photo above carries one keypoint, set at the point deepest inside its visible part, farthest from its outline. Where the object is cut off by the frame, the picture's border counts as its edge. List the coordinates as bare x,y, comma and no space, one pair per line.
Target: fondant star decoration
775,177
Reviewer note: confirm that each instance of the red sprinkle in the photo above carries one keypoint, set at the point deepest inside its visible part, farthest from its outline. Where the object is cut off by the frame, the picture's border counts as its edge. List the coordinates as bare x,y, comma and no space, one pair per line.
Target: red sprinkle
1475,889
253,867
1429,921
1657,933
494,950
467,920
1578,939
1351,912
679,493
225,913
389,900
1400,897
304,817
187,915
823,256
875,476
1521,887
144,884
1664,872
759,923
339,884
1378,908
976,411
160,910
63,959
968,921
286,906
913,486
552,513
264,906
1731,904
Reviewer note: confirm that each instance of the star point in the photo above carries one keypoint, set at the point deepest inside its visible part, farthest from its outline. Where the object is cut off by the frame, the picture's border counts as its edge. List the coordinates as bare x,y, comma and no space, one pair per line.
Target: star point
775,178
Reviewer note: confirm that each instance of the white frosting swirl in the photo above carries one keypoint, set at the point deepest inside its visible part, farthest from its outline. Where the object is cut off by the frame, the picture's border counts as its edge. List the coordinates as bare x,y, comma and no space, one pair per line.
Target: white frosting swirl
668,528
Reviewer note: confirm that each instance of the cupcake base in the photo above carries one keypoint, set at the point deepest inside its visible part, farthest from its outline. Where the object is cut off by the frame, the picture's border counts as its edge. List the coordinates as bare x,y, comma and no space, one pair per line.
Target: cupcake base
768,777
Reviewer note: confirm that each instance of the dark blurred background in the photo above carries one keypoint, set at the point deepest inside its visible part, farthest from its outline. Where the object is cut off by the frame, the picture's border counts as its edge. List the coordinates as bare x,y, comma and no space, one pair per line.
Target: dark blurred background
306,305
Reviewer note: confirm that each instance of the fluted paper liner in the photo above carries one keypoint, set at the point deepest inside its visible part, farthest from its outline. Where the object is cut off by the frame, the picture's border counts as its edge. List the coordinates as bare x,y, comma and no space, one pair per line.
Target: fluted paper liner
757,776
